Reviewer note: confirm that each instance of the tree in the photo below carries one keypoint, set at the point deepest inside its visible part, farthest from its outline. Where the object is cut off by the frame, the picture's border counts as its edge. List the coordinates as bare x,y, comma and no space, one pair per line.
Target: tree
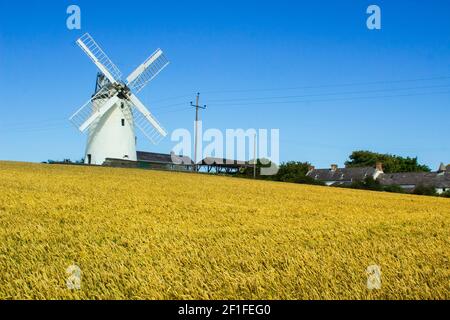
289,171
248,171
295,172
425,190
369,183
391,163
394,188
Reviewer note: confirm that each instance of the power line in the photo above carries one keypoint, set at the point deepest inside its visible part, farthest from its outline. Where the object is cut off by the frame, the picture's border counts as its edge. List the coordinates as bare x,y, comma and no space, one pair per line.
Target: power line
40,127
332,85
35,129
331,94
170,106
176,110
172,98
54,123
319,145
340,99
28,123
313,95
30,126
305,87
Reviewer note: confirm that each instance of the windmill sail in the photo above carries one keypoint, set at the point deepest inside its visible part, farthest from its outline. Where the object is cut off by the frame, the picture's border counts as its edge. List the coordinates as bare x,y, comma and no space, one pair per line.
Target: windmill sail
145,121
91,107
151,67
101,60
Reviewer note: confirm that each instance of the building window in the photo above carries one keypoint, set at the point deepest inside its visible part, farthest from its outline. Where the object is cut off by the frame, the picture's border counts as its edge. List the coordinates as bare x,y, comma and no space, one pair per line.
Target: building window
123,122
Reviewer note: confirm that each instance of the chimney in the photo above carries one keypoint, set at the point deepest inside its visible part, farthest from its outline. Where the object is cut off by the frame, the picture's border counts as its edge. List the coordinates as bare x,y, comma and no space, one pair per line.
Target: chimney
442,168
311,168
379,166
334,167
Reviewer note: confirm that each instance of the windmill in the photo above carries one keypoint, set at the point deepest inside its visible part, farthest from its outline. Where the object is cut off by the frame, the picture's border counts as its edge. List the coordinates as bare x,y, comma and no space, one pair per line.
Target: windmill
114,111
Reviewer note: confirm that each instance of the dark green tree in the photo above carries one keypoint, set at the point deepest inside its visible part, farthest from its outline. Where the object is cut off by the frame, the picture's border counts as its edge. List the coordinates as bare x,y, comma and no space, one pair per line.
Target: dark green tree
290,171
248,171
295,172
391,163
394,188
369,183
425,190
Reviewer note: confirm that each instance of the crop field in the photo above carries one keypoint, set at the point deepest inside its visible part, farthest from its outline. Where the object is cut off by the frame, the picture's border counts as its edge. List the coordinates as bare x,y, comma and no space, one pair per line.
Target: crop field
141,234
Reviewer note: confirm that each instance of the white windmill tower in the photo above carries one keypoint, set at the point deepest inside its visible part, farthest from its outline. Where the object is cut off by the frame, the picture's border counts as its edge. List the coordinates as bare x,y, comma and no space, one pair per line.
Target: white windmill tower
113,112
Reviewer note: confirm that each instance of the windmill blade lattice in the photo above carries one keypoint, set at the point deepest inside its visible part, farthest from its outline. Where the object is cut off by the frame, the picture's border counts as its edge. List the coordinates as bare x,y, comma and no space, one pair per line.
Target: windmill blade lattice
99,57
90,107
148,70
149,131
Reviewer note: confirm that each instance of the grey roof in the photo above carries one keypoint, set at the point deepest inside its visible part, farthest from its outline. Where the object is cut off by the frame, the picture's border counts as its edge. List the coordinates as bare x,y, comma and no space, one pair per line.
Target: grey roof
162,158
434,179
223,162
342,174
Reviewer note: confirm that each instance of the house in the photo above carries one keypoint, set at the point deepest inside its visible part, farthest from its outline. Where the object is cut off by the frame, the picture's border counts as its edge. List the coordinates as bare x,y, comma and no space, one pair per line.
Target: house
152,160
335,176
164,161
440,179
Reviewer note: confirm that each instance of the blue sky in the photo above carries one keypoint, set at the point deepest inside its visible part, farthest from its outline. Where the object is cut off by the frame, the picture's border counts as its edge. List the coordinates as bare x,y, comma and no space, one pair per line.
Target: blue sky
310,68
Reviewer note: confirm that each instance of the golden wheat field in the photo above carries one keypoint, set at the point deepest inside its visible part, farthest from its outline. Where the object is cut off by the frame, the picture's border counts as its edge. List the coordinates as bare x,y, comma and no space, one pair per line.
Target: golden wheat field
140,234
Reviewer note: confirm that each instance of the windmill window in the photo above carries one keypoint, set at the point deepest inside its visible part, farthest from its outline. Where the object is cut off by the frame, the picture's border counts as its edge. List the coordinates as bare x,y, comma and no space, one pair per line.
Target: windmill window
123,122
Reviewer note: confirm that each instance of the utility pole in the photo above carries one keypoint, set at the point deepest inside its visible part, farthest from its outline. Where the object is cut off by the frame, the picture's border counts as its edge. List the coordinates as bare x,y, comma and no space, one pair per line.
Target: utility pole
254,158
197,106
